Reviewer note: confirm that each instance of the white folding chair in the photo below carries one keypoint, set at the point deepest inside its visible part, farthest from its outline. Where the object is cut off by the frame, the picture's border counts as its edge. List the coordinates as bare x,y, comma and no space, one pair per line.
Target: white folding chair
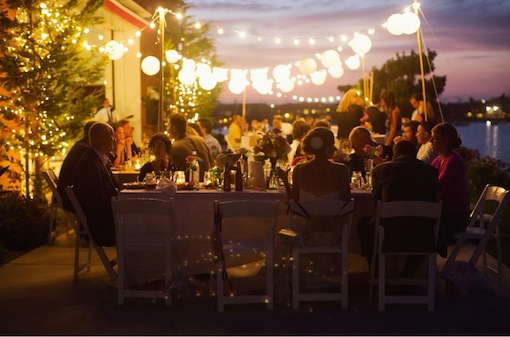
82,231
144,224
410,212
327,219
484,225
70,219
236,250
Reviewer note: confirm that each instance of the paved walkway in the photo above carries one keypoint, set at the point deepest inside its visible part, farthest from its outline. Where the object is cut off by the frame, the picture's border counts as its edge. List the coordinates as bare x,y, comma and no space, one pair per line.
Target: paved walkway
38,296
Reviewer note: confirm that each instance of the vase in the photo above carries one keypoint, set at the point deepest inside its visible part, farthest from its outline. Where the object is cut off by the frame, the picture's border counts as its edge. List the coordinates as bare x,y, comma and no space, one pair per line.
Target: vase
273,182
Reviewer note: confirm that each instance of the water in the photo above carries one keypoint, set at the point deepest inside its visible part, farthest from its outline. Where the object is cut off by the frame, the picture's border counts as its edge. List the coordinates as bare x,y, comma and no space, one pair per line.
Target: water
491,140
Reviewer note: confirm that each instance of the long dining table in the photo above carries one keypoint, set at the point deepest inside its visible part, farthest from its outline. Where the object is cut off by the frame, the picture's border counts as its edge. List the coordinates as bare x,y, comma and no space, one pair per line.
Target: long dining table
194,221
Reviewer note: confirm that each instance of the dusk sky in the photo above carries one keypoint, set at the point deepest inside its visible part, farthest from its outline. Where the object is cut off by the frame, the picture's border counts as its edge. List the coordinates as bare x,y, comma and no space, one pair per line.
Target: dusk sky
471,37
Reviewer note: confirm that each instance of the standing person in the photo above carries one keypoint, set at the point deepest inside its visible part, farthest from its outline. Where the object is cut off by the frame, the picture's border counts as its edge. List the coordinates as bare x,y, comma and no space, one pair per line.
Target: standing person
95,186
69,165
184,144
425,153
453,187
349,113
393,117
106,114
128,139
235,133
213,144
320,177
418,115
376,117
159,146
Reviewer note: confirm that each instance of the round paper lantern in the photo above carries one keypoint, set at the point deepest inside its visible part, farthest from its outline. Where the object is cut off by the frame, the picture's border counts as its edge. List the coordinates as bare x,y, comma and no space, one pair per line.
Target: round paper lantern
172,56
329,58
336,71
150,65
410,23
353,62
361,44
187,76
258,75
203,70
394,24
263,87
281,72
114,50
207,82
189,64
236,86
220,74
307,66
286,85
318,77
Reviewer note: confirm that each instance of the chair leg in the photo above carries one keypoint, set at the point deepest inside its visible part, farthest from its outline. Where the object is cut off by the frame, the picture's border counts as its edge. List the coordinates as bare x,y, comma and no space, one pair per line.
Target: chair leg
77,256
500,259
382,281
295,279
431,291
221,287
270,277
345,268
453,255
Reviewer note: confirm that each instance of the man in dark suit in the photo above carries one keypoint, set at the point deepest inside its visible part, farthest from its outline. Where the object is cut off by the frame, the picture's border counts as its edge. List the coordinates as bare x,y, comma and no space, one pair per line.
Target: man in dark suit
95,185
402,178
70,162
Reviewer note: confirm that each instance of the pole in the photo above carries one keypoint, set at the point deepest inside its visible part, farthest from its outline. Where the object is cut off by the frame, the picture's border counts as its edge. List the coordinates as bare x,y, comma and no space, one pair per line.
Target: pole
365,85
244,103
161,109
420,53
371,86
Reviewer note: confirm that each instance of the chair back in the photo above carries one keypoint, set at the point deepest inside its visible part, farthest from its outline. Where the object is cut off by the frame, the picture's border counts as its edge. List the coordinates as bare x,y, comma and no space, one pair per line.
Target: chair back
52,180
480,214
412,214
82,218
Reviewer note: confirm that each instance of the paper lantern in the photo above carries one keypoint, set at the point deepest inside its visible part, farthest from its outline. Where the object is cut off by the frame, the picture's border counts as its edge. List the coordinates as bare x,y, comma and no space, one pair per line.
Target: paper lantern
150,65
281,73
263,86
172,56
187,76
394,24
203,70
286,85
236,87
353,62
318,77
189,64
336,71
307,66
207,82
259,74
410,23
220,74
361,44
329,58
114,50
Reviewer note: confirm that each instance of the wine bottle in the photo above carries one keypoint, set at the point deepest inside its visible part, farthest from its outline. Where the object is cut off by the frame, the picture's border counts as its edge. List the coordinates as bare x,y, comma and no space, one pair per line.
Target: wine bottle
239,177
226,179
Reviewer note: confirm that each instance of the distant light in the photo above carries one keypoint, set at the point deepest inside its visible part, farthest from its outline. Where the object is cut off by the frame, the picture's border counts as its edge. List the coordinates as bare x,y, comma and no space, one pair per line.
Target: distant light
220,31
488,123
242,35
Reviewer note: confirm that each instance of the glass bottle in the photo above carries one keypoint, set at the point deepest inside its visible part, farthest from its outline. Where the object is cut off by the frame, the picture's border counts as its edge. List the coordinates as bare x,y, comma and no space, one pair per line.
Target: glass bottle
226,178
194,176
239,177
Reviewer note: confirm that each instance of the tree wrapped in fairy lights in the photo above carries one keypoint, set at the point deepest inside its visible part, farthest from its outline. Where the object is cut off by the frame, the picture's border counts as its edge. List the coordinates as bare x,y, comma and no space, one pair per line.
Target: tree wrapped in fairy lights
46,66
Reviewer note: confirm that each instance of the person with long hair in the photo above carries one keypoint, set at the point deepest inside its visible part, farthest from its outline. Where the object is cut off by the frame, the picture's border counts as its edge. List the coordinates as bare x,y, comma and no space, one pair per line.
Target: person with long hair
393,117
159,146
349,113
453,187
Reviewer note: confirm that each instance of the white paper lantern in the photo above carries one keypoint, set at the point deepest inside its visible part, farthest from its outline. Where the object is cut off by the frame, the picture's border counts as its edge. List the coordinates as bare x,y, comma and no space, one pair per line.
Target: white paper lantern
220,74
187,76
307,66
361,44
353,62
329,58
150,65
203,70
114,50
394,24
189,64
318,77
259,74
236,87
207,82
172,56
281,72
286,85
336,71
410,23
263,86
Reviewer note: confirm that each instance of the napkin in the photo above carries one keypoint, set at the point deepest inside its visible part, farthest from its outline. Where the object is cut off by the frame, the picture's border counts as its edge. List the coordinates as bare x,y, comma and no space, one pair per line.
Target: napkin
167,186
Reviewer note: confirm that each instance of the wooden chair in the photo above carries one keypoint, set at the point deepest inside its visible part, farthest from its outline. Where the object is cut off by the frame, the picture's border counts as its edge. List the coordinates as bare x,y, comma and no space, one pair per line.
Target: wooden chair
82,231
70,219
338,215
409,212
484,225
234,250
144,224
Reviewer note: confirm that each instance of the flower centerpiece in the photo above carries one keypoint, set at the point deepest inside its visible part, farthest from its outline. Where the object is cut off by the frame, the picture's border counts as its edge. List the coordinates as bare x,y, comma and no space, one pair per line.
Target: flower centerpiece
370,152
274,147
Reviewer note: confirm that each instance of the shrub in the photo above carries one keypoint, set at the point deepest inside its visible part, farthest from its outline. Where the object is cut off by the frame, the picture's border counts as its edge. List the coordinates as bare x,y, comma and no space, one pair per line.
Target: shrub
24,223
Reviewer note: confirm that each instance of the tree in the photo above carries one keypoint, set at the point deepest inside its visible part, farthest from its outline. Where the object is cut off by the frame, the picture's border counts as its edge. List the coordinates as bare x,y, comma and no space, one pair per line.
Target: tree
402,76
46,66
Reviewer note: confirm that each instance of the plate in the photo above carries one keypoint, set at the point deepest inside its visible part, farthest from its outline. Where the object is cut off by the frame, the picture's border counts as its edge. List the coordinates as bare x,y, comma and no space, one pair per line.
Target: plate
134,185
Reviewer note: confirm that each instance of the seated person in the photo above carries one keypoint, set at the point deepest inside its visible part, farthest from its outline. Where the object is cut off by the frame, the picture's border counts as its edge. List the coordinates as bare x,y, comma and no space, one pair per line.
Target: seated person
409,130
359,138
159,146
299,129
95,186
320,177
402,178
119,155
425,152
